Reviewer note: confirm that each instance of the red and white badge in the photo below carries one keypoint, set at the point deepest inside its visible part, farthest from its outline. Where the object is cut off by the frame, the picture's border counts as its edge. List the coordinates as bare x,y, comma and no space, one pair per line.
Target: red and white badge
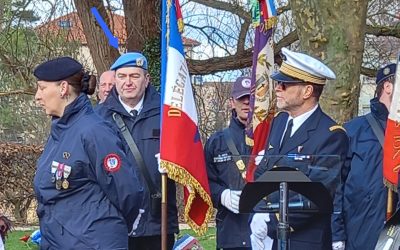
112,163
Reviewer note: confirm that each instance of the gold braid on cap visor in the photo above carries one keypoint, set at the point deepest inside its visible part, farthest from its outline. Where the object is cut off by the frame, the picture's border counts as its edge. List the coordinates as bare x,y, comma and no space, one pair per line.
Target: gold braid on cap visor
300,74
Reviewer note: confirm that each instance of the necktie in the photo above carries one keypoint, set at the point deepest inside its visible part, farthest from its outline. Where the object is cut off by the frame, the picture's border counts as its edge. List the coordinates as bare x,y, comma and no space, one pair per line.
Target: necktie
134,114
287,133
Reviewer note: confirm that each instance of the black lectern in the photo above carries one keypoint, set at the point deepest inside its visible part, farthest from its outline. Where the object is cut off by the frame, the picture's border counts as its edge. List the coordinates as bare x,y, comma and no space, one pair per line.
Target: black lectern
313,178
389,238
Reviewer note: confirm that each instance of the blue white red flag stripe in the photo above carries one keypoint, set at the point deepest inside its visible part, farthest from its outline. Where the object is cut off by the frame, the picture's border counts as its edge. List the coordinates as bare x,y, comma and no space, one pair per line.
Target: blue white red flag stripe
181,150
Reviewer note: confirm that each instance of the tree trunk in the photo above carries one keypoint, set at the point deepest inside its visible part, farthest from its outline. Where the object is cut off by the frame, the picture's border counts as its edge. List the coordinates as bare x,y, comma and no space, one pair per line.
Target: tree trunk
334,32
102,52
21,207
142,18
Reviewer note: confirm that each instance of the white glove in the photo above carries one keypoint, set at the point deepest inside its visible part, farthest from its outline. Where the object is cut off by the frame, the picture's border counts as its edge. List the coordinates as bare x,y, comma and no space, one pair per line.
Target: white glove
1,244
230,200
259,157
259,226
136,222
338,245
256,243
160,169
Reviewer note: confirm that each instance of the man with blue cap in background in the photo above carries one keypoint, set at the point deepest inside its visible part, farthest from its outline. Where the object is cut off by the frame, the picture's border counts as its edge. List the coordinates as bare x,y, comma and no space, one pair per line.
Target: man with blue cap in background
302,129
365,195
133,105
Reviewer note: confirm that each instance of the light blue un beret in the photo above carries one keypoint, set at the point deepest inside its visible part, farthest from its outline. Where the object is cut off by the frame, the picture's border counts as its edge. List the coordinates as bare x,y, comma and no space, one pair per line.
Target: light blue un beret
130,59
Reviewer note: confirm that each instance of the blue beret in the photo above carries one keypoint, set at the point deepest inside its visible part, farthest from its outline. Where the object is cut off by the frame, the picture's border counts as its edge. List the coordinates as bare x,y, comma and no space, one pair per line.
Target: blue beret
130,59
57,69
385,72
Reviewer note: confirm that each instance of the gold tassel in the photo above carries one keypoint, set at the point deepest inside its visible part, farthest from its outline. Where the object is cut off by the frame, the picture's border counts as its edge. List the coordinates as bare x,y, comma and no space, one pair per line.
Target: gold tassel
181,25
182,176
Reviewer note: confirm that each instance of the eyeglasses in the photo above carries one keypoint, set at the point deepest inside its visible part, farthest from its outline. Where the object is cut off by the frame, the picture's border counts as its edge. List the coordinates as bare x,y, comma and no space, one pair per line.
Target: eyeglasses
284,85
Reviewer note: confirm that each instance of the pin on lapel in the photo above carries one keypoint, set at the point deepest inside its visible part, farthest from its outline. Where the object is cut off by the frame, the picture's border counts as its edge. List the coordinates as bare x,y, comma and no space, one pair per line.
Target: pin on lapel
299,148
66,155
270,147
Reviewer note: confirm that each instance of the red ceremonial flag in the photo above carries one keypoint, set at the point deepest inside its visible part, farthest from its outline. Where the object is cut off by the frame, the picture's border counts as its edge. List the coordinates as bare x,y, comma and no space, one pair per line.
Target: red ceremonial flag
181,150
262,103
391,147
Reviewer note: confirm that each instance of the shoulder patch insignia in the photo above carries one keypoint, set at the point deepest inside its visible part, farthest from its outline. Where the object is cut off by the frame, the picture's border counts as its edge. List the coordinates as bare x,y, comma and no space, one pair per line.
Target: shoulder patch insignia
112,163
335,127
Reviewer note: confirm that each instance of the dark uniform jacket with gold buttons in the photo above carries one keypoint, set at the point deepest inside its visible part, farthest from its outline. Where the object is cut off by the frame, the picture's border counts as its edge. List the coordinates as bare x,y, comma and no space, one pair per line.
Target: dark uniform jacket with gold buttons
233,230
88,194
318,135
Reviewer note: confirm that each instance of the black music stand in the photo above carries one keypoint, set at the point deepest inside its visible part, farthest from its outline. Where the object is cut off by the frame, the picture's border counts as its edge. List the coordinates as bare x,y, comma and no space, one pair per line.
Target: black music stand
389,237
283,179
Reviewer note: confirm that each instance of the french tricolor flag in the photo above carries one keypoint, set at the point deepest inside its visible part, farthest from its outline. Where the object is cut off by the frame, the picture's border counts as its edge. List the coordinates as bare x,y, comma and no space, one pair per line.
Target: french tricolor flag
181,150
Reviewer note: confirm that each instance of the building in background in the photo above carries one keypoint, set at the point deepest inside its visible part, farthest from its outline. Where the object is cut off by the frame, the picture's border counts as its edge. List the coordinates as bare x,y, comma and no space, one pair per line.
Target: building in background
70,27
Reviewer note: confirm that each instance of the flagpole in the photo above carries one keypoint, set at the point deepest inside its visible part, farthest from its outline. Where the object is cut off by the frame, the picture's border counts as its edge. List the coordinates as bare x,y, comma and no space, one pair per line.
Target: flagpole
389,206
164,212
164,189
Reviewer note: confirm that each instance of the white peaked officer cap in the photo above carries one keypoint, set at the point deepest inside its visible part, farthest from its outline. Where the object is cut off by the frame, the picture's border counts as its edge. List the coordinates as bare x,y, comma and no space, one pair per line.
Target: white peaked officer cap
298,67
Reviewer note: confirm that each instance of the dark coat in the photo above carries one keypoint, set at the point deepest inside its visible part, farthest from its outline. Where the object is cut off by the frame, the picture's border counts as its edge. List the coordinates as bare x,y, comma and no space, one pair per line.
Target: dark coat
318,135
233,230
145,130
102,197
365,195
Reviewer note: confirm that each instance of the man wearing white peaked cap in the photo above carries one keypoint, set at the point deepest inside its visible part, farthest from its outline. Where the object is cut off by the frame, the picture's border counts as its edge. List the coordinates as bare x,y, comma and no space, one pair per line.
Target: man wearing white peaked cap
302,128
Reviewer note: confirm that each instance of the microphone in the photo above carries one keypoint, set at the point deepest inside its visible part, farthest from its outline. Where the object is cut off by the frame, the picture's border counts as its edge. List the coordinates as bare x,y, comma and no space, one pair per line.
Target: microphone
299,205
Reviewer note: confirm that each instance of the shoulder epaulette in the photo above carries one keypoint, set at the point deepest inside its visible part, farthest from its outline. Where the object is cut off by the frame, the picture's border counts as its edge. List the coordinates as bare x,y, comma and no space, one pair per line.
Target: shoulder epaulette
334,127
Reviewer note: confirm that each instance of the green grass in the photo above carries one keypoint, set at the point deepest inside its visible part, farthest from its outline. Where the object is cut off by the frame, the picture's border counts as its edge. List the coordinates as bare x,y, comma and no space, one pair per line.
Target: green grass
14,243
207,241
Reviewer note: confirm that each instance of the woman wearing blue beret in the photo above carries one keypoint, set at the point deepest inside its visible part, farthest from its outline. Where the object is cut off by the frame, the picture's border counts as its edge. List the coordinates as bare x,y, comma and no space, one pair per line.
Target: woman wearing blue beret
88,195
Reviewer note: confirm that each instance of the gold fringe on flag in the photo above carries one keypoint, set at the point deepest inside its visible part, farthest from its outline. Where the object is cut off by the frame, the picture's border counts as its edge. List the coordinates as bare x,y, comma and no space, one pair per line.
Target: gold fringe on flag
181,25
182,176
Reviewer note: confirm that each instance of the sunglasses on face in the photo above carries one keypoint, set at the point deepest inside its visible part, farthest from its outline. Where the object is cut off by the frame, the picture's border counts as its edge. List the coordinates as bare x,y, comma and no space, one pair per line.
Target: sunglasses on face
284,85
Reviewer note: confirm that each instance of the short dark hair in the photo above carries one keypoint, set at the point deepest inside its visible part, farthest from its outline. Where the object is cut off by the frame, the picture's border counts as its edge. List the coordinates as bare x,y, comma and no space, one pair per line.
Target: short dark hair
317,90
379,87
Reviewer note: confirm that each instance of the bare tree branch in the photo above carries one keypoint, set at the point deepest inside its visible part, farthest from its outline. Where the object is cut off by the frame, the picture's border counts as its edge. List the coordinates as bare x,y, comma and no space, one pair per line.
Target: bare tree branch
208,35
220,5
234,9
217,64
286,41
368,72
384,30
242,36
241,59
283,9
17,92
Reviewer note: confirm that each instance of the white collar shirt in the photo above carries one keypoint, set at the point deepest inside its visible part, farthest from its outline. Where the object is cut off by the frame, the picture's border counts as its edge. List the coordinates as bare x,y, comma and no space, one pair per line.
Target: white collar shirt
138,107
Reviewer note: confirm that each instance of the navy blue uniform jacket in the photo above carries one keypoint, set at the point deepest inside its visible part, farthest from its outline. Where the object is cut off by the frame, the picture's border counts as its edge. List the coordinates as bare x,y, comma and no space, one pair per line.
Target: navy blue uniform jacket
93,212
365,195
233,230
145,130
318,135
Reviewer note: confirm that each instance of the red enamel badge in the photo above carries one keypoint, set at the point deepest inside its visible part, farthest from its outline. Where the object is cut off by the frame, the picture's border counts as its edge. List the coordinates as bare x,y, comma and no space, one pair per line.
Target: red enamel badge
112,163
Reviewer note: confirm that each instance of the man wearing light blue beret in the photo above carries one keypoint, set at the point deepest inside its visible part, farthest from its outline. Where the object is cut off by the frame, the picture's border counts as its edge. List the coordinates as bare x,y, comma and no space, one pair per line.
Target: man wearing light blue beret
133,106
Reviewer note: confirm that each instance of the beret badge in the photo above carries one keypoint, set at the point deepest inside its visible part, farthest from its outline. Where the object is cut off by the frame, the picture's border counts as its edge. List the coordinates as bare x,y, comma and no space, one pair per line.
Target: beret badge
139,62
386,71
